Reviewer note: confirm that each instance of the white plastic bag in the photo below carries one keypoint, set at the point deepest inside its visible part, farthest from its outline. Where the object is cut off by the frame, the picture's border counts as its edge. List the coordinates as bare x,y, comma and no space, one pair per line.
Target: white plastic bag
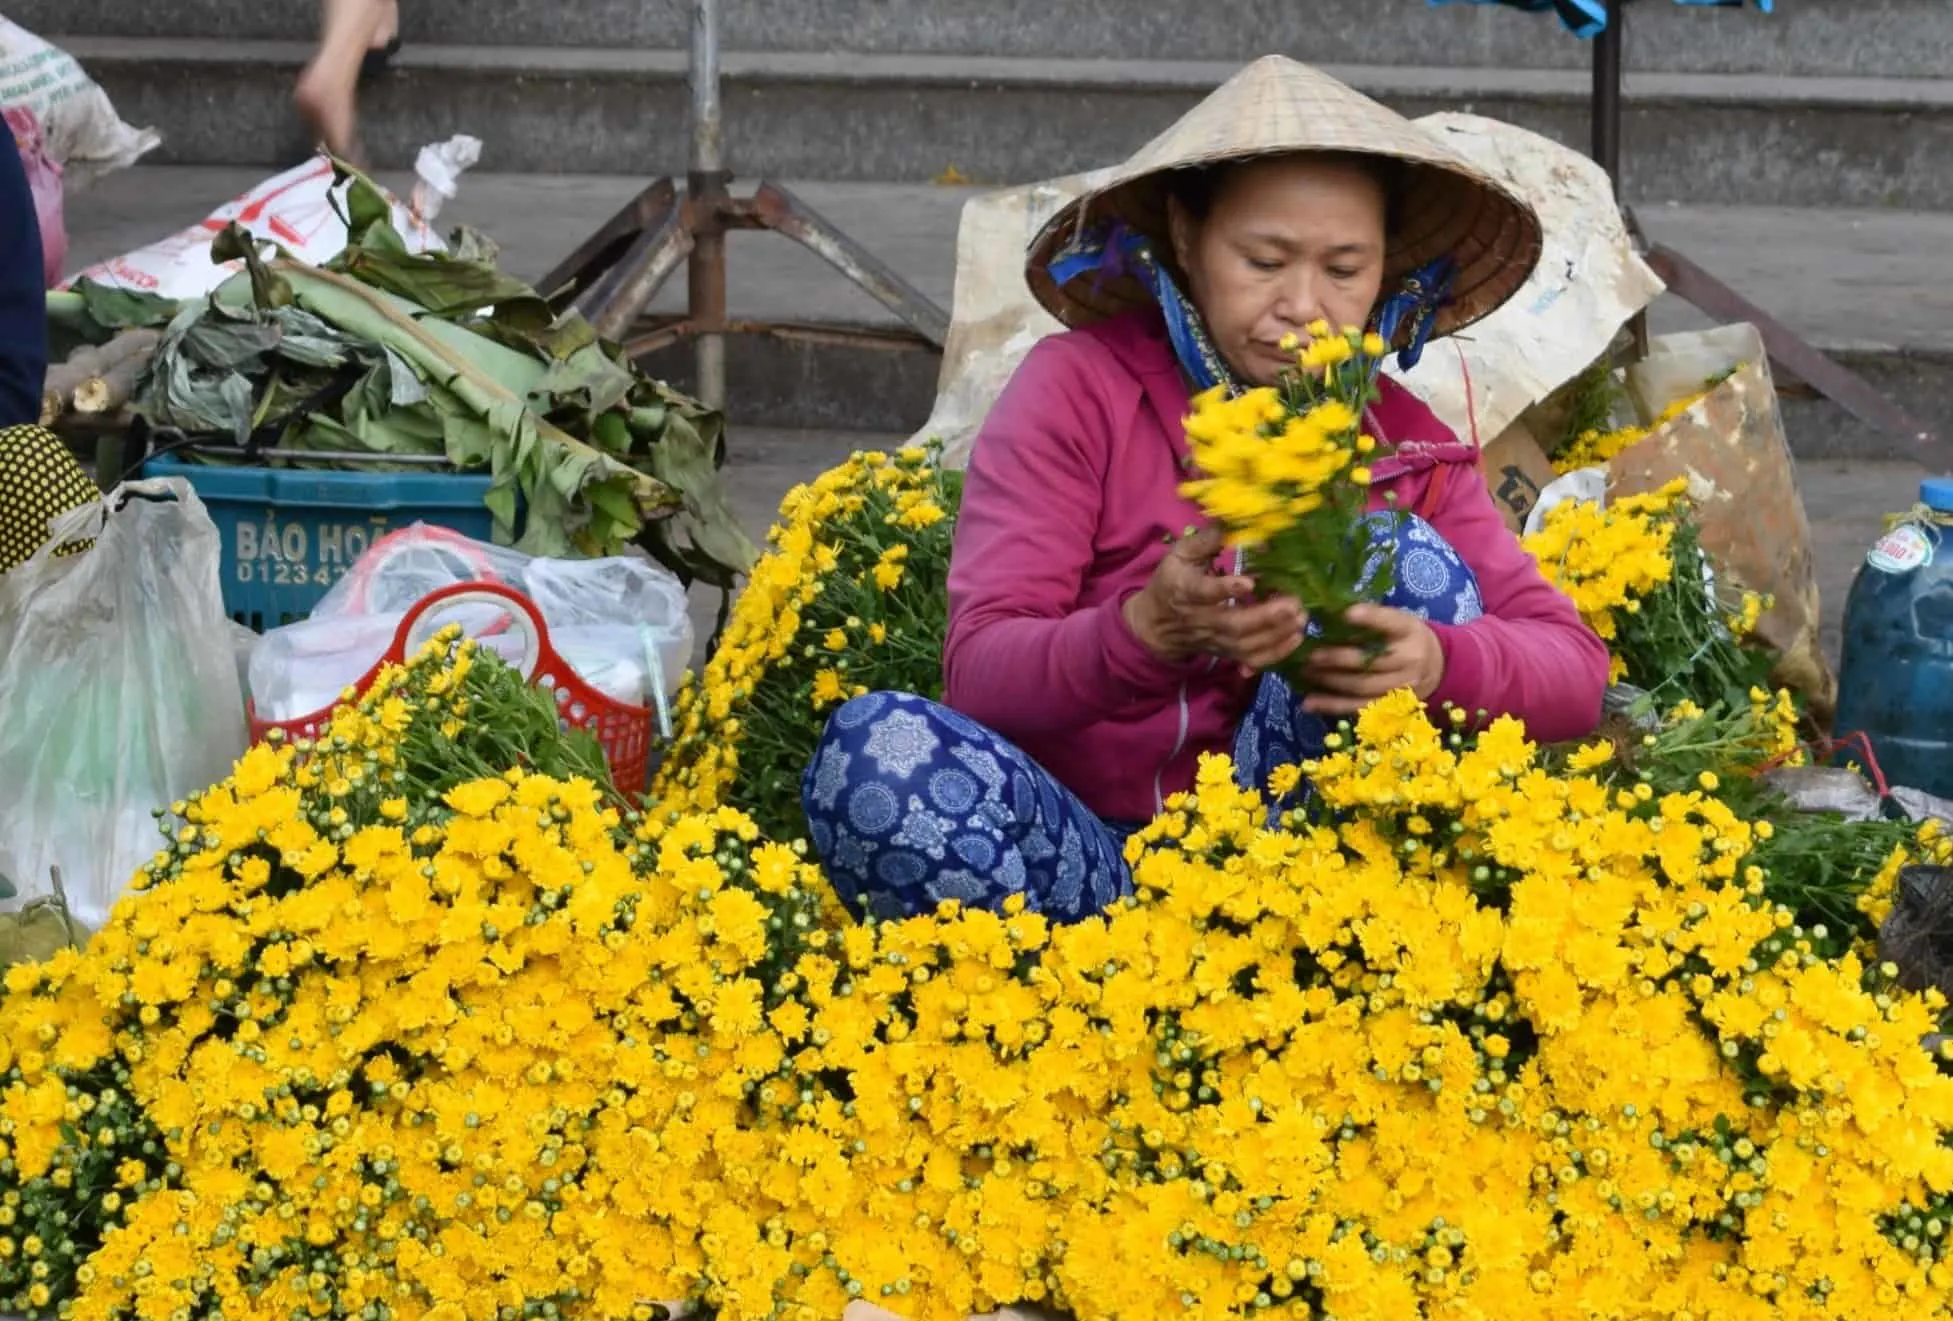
622,624
1581,486
83,130
300,210
119,692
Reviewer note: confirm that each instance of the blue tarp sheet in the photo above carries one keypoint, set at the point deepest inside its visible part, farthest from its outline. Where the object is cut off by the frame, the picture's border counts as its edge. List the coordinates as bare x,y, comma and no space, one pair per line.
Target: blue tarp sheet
1586,18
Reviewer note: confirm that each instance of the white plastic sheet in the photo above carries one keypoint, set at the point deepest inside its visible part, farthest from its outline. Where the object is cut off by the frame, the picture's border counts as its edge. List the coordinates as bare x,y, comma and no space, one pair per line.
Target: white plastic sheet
119,691
995,320
1589,283
301,210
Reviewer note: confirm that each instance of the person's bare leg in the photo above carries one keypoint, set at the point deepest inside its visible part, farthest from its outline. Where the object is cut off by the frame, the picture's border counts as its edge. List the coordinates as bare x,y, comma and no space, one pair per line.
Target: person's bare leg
387,25
325,91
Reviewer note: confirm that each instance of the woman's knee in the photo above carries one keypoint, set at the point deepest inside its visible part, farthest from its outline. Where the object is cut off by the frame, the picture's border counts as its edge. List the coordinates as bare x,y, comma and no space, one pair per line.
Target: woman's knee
876,739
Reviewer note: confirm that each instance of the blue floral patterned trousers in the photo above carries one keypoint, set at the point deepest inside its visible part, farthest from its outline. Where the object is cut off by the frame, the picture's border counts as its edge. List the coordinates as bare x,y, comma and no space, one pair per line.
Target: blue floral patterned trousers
910,803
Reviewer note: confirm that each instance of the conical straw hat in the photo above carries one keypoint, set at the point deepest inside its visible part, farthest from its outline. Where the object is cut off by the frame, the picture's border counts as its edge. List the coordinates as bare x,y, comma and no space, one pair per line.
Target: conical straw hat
1276,106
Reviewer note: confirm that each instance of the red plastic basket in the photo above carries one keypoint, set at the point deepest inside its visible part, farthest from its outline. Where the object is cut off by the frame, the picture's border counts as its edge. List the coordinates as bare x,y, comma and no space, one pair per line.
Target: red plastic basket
625,731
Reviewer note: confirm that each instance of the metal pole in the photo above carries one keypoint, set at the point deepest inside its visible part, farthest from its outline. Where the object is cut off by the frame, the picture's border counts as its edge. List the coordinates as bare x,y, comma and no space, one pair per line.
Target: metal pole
1607,131
1607,94
706,186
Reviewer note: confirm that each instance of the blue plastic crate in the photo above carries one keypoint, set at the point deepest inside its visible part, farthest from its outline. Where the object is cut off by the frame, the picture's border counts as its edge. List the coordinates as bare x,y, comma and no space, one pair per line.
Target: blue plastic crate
289,534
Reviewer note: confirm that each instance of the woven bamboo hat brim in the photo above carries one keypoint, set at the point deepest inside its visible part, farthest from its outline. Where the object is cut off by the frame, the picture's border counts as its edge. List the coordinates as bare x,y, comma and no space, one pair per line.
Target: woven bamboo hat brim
1277,106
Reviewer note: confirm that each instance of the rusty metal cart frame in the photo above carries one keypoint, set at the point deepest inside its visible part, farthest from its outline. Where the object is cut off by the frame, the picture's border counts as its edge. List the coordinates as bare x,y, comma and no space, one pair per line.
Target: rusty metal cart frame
613,276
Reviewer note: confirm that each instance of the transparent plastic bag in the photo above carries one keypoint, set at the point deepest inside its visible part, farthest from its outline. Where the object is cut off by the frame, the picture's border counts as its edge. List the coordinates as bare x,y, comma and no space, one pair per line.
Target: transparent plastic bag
621,624
119,691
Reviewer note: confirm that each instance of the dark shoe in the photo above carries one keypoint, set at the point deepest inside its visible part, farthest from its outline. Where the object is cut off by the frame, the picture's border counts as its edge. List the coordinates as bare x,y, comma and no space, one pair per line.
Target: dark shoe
376,61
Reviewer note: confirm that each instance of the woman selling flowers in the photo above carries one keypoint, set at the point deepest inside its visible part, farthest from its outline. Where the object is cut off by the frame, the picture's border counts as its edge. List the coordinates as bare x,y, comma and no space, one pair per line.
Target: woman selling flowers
1094,652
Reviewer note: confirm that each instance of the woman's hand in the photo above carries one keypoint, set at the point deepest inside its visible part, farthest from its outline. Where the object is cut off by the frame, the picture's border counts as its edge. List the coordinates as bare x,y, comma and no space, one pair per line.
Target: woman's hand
1341,682
1184,611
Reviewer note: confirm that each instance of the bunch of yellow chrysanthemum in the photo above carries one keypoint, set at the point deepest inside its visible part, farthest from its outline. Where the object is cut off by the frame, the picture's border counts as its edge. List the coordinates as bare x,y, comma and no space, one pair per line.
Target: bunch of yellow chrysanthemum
1637,572
1280,471
1595,447
1606,559
850,598
1837,877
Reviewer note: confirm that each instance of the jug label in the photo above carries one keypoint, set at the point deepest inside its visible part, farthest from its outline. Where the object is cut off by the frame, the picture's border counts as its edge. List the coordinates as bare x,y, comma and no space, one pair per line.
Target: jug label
1901,550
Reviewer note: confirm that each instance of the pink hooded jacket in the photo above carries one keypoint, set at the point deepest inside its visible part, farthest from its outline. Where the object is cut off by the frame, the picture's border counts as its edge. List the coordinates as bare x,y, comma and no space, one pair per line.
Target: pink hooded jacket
1071,492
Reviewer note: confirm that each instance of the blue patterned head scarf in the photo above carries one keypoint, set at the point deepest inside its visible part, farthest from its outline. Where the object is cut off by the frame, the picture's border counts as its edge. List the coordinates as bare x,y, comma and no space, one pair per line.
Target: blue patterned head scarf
1118,250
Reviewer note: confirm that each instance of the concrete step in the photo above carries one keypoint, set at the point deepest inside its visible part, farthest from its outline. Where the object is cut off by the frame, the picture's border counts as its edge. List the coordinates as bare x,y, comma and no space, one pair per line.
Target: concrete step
1881,38
1746,139
1869,286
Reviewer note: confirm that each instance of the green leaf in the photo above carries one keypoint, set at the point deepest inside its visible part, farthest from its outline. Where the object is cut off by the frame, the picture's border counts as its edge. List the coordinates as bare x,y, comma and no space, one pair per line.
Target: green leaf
309,342
614,502
469,441
224,342
588,381
444,287
612,434
115,309
181,391
682,461
395,432
366,207
516,372
466,243
403,382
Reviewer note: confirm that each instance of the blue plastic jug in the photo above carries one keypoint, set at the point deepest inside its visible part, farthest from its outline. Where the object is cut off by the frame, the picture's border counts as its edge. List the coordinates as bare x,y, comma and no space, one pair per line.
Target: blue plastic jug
1895,682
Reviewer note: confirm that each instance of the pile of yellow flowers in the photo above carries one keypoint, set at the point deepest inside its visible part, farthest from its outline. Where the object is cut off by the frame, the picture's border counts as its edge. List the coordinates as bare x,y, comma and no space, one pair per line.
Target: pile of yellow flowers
850,598
1280,472
398,1048
1485,1035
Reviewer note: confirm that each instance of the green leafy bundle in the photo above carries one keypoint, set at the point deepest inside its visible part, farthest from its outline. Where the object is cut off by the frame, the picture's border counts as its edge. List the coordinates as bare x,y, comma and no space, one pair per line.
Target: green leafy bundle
396,357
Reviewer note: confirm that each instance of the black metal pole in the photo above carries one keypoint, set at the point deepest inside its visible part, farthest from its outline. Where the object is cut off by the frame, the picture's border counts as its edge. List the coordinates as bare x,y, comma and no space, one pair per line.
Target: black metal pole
1607,93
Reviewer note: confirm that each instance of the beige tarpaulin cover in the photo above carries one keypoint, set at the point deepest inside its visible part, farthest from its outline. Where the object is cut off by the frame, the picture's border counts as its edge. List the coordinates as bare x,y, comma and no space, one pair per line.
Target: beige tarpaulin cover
1587,286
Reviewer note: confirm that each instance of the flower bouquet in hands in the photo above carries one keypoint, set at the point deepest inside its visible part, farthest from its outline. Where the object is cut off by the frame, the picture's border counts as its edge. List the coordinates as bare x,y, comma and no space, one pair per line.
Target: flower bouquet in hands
1281,471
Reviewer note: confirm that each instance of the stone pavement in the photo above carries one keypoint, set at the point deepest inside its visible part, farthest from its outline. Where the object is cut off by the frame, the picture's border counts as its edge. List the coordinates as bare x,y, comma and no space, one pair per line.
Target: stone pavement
1869,285
1849,280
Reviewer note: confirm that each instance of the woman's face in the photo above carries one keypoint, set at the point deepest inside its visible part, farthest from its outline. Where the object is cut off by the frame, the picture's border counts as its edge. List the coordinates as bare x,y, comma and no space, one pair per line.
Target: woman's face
1286,241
